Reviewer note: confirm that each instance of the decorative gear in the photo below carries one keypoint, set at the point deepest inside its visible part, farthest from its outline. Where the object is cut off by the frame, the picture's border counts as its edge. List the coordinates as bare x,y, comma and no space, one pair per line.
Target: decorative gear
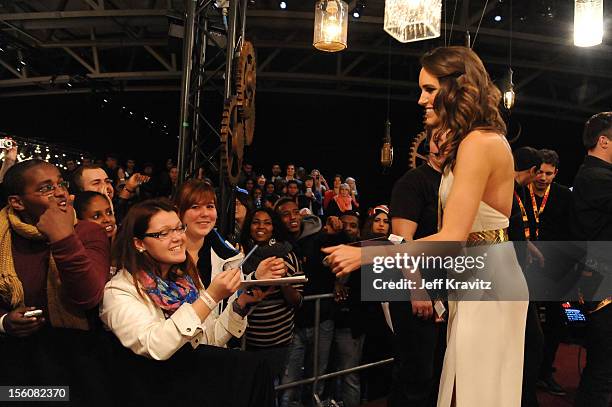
232,141
417,156
246,81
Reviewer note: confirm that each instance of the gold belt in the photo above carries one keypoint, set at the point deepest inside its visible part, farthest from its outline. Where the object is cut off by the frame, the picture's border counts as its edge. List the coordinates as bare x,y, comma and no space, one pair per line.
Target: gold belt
488,237
602,304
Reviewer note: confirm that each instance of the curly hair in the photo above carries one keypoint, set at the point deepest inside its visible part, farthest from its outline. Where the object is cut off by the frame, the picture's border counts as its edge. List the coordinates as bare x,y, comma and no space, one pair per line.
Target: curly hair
467,99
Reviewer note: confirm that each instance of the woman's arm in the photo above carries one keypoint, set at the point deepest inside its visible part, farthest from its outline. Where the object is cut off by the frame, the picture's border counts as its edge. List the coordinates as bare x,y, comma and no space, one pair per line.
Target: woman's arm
475,162
135,320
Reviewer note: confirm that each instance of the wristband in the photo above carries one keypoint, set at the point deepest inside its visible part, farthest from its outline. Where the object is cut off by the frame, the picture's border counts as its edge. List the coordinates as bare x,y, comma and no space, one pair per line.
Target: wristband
208,300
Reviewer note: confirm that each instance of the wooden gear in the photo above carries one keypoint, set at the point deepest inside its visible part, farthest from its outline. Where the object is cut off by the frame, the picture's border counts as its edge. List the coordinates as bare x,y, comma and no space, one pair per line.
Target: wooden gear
232,140
416,158
246,81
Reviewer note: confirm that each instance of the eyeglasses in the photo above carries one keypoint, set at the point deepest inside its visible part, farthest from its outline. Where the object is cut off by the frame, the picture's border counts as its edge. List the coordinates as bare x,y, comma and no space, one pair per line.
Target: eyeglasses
164,234
48,189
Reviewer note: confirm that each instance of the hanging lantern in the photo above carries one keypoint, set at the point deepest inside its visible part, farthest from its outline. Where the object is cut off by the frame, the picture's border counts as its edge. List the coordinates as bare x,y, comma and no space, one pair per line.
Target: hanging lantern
509,94
413,20
588,22
331,25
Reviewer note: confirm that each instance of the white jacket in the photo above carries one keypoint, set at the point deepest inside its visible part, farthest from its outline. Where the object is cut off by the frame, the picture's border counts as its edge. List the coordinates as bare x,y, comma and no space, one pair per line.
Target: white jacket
142,327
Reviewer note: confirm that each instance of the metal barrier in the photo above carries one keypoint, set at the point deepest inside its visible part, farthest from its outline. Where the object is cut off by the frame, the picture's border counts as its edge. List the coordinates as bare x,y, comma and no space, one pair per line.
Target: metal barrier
315,368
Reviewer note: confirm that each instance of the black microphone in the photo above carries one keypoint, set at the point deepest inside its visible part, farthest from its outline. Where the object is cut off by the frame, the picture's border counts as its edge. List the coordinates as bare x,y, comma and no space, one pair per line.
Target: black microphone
386,152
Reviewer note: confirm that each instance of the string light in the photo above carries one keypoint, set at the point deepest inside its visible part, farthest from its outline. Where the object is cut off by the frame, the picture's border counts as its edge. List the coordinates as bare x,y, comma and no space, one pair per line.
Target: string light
132,114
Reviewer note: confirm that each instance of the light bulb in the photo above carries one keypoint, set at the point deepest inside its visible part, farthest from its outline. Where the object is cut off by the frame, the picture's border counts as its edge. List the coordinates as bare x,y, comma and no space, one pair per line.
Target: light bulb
509,97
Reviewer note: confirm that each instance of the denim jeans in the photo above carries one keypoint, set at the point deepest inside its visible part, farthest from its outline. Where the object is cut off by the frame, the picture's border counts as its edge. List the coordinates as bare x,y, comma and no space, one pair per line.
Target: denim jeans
300,361
348,354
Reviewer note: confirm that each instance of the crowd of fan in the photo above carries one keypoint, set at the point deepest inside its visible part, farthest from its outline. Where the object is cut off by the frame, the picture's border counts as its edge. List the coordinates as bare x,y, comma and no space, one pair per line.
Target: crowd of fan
290,216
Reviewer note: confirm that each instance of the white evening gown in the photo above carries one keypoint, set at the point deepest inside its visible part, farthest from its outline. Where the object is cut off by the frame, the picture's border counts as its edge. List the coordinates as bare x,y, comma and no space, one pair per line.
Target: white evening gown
485,338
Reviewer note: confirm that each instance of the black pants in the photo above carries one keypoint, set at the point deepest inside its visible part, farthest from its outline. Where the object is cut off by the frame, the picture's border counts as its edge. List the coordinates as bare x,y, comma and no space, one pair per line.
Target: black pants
553,329
534,347
419,354
596,384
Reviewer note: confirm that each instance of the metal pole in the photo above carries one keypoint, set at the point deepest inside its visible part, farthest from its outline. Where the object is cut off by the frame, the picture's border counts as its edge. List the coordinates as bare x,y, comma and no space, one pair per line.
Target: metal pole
190,6
227,192
195,139
315,355
231,44
244,14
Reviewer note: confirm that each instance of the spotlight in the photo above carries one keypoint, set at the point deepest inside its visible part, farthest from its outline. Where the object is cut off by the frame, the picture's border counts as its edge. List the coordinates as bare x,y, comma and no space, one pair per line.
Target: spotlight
497,18
282,5
1,49
22,63
358,10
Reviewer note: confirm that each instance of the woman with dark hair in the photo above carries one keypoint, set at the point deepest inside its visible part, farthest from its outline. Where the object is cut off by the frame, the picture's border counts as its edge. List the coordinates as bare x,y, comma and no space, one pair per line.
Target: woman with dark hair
333,192
377,224
156,304
483,365
96,208
271,325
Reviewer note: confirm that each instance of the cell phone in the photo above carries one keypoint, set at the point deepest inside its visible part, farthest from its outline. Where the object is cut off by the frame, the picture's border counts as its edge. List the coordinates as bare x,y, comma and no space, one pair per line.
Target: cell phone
34,313
308,189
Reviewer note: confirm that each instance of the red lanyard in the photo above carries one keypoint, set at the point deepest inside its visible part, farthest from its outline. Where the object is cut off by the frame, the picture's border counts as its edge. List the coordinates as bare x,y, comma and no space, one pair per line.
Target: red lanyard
538,211
524,214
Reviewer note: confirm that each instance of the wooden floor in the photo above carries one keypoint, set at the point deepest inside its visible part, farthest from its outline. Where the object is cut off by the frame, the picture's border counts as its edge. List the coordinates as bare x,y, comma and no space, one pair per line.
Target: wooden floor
567,376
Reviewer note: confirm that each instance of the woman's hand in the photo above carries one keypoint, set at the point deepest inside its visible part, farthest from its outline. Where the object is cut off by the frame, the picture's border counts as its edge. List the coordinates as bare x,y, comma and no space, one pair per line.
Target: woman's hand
256,295
224,284
271,268
135,180
343,259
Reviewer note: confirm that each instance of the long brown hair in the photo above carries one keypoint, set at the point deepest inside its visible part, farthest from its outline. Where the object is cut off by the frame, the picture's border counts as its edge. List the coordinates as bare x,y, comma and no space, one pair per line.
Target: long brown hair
467,99
135,225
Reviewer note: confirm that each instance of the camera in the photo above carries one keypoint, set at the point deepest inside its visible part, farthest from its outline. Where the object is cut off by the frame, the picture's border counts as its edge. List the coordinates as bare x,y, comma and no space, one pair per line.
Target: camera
6,143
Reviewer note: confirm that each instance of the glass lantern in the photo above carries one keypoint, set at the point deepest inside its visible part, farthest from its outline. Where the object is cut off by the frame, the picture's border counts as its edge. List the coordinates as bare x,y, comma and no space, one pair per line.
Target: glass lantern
588,22
331,25
413,20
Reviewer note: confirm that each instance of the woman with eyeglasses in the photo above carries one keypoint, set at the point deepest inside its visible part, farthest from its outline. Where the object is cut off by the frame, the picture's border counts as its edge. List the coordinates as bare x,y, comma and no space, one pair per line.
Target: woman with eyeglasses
158,307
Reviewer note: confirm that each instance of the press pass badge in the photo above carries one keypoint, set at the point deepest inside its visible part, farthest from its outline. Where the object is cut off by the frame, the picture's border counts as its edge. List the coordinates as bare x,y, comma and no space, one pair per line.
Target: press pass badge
440,308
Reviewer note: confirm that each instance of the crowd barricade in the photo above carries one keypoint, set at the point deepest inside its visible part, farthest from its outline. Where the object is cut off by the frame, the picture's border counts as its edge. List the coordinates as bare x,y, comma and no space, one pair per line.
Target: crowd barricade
315,357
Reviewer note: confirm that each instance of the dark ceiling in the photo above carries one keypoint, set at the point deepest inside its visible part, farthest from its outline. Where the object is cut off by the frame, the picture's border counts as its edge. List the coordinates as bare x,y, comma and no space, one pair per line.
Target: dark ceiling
59,46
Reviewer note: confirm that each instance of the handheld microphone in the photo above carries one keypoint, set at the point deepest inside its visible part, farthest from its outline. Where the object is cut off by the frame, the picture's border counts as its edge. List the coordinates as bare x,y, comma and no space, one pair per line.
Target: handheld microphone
386,152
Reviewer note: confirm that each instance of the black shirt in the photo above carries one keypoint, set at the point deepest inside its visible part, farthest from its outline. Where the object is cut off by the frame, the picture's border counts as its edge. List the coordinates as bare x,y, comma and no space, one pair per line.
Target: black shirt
415,197
592,211
554,220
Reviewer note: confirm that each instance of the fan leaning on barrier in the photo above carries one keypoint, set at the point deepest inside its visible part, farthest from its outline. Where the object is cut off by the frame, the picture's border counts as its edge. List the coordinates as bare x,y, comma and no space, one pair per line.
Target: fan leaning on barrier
238,122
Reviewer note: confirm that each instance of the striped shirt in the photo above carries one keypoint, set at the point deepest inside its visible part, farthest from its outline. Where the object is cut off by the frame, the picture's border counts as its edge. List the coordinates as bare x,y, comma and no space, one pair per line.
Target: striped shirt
272,324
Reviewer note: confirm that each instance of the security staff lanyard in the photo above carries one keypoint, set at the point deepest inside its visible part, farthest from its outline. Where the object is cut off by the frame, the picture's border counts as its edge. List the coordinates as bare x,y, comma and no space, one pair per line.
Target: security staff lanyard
536,211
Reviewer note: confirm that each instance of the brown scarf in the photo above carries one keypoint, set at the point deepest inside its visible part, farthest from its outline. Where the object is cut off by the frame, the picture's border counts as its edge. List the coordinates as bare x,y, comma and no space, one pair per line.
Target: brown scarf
61,313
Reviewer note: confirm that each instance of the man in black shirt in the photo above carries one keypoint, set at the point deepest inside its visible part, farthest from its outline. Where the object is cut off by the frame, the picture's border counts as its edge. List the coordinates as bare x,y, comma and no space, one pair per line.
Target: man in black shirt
549,206
419,341
527,161
592,220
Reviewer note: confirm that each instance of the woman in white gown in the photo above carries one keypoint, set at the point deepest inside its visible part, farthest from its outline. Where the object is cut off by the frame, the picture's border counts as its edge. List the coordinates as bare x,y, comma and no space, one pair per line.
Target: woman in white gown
484,358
